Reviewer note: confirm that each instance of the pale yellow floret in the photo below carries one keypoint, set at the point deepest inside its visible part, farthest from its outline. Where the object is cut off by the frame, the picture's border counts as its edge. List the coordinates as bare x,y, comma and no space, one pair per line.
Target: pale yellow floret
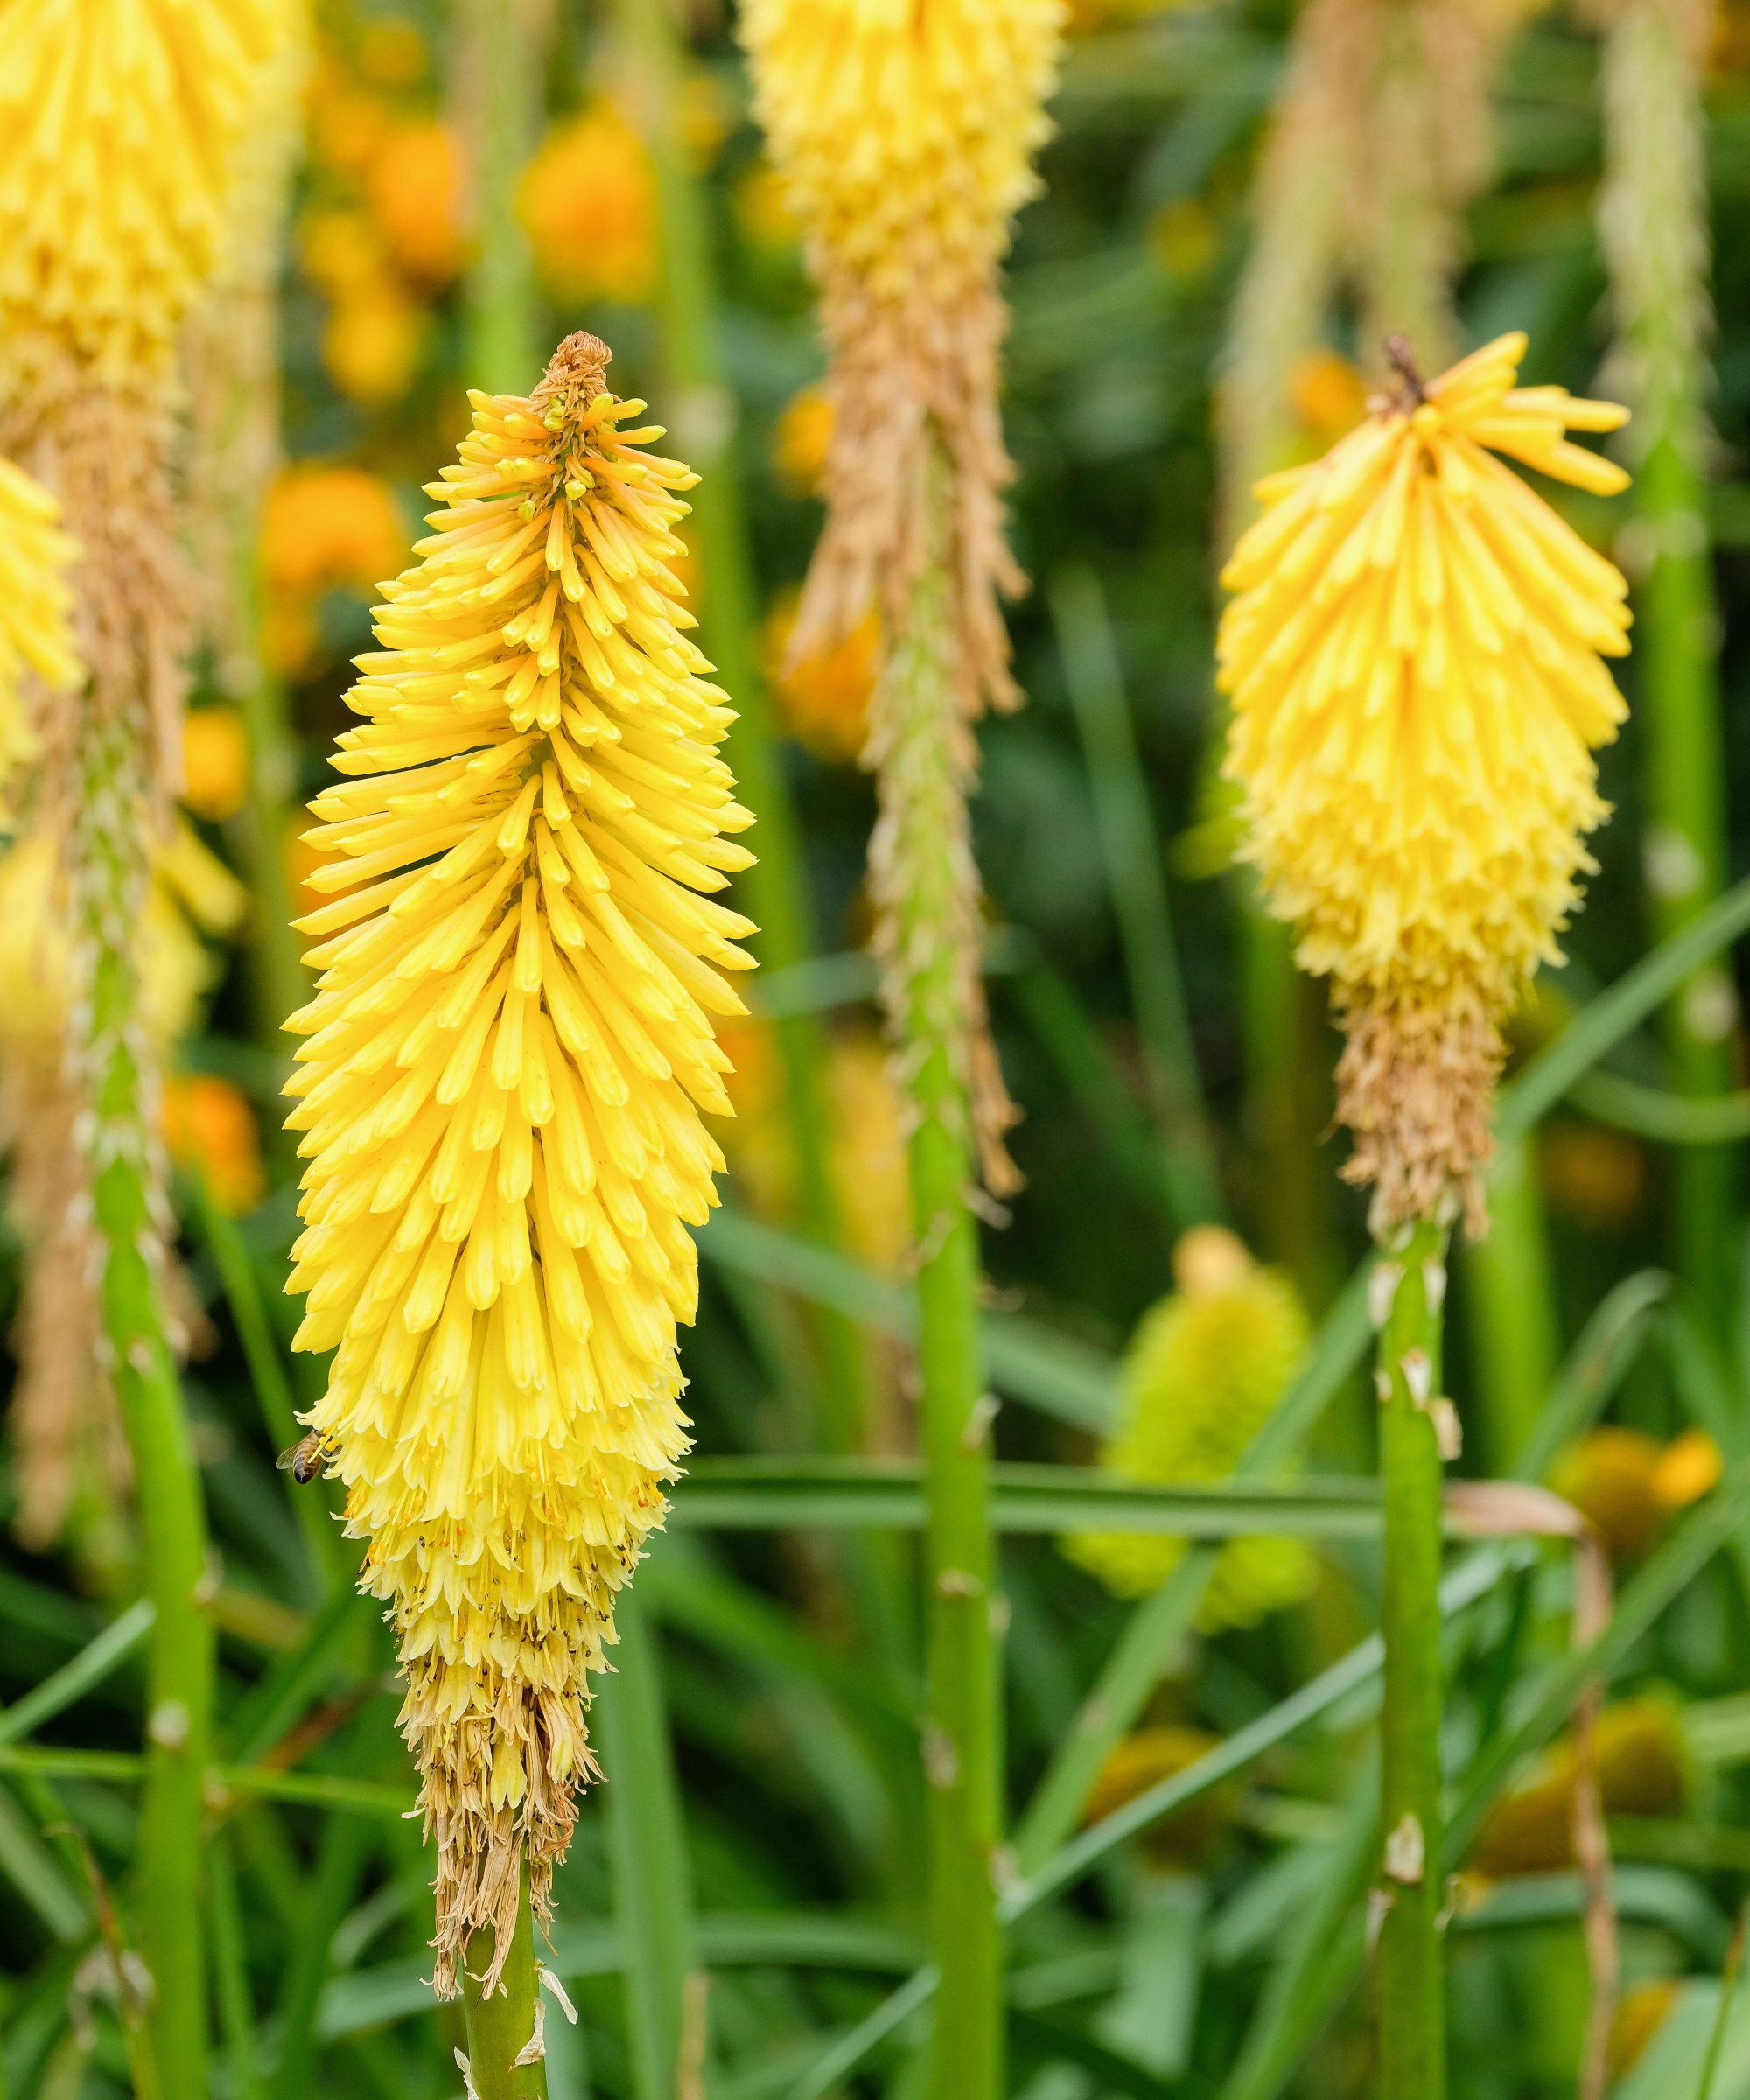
1415,663
118,123
507,1056
36,605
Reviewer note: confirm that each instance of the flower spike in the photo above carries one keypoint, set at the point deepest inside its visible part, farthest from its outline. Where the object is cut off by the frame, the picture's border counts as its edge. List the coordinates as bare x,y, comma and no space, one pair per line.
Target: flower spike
506,1059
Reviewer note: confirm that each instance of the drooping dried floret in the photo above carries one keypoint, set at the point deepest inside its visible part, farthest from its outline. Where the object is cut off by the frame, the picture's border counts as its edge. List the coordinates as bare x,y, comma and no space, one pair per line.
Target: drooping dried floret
508,1054
1415,665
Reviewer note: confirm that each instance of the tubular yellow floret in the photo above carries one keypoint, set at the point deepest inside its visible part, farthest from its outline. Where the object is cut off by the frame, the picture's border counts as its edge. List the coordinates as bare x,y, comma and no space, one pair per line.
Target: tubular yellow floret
1415,664
507,1056
905,131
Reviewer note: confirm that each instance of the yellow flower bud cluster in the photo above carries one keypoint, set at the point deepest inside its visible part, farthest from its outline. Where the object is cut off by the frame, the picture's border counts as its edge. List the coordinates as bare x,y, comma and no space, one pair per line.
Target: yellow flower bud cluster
905,132
1205,1367
507,1056
119,120
1415,666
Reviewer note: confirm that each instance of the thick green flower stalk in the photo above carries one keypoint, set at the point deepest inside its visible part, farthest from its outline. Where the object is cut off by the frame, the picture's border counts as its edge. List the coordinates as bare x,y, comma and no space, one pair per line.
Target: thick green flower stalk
1416,662
506,1059
119,125
1653,225
231,357
1201,1375
905,132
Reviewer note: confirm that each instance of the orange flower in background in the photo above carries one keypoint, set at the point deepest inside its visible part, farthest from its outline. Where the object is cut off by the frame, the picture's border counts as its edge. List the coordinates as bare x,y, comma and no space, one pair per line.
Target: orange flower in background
215,762
208,1123
799,442
589,204
323,528
415,185
823,701
1329,395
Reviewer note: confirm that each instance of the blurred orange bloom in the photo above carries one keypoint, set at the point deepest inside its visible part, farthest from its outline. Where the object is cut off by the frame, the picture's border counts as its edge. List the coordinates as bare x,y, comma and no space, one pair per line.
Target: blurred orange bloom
208,1123
215,762
588,203
823,702
302,860
323,528
415,182
799,442
1328,394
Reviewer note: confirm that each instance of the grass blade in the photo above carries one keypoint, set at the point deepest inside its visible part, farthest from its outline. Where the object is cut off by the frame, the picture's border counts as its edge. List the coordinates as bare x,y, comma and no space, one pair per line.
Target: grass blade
70,1682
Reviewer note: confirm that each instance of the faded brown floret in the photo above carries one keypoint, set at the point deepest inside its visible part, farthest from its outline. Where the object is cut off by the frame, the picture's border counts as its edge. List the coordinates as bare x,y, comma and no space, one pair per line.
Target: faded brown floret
1415,1085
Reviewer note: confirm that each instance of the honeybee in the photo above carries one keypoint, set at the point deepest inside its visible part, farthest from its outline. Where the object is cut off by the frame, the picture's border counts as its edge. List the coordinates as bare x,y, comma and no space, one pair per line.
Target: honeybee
306,1459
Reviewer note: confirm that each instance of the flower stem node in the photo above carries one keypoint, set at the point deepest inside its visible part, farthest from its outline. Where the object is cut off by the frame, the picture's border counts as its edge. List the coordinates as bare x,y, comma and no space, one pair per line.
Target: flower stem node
1405,1853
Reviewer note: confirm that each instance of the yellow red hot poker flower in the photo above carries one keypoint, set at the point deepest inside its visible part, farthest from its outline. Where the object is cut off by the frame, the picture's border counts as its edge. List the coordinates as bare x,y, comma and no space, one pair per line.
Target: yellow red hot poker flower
905,131
1415,665
507,1056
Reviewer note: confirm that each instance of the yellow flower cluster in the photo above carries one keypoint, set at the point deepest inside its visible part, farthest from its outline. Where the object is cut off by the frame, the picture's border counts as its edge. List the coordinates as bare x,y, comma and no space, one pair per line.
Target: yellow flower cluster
919,203
906,219
500,1089
1414,663
36,605
118,119
1206,1367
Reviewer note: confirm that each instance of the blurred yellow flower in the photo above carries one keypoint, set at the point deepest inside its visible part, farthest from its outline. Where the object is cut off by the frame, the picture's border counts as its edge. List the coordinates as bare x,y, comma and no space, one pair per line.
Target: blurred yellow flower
1204,1369
1687,1468
215,762
1608,1477
208,1122
762,210
799,442
1592,1173
346,121
701,119
823,701
392,51
1182,237
373,344
1638,2017
340,250
589,204
1143,1759
415,185
1643,1769
327,526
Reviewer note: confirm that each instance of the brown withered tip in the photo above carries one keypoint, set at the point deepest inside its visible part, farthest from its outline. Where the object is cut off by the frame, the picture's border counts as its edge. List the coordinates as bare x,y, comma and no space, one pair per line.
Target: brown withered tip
578,366
1402,359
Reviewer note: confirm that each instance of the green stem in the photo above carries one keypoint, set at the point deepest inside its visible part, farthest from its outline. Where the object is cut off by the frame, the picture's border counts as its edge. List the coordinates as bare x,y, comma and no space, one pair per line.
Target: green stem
1653,224
702,412
1133,871
1410,1980
1509,1299
109,875
281,983
647,1839
500,2026
495,85
921,864
230,1962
